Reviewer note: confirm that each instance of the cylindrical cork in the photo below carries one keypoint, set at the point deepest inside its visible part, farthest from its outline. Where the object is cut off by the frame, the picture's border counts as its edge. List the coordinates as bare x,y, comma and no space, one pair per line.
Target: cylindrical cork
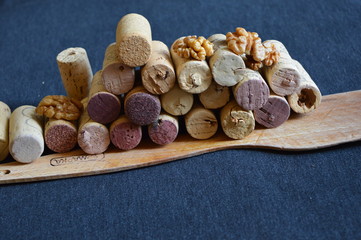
193,76
236,122
93,137
275,112
225,64
216,96
124,134
5,113
251,92
134,40
158,74
165,130
307,97
177,102
75,71
283,77
141,107
26,140
117,77
103,106
201,123
60,135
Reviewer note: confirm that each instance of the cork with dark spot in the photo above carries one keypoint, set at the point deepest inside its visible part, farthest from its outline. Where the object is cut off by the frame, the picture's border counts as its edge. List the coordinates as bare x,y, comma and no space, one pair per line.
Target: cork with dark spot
141,107
177,102
117,77
275,112
164,130
124,134
201,123
134,39
60,135
251,92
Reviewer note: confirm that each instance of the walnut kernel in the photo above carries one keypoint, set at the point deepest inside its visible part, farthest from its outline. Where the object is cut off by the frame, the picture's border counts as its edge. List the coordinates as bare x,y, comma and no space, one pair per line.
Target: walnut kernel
59,107
191,46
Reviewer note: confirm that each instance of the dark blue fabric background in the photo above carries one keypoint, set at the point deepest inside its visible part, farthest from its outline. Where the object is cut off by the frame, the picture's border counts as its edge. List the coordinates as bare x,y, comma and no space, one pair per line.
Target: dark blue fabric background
233,194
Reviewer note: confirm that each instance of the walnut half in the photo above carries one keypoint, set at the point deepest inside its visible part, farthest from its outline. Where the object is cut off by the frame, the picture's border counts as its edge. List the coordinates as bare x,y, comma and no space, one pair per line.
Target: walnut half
59,107
191,46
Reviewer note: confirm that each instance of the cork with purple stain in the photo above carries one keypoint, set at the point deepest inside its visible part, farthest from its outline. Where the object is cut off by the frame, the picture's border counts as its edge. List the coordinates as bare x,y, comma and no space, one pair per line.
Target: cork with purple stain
141,107
124,134
60,135
164,130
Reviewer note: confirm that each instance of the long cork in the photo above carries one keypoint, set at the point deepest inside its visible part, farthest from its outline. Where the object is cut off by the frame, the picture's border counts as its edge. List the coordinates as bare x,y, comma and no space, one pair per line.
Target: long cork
201,123
26,140
193,76
5,113
124,134
141,107
275,112
117,77
158,75
75,71
60,135
93,137
216,96
134,39
251,92
283,77
103,106
177,102
224,64
236,122
164,130
308,96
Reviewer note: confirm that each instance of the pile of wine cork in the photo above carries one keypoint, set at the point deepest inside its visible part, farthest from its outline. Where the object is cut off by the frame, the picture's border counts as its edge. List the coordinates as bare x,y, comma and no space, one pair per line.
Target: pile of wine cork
170,92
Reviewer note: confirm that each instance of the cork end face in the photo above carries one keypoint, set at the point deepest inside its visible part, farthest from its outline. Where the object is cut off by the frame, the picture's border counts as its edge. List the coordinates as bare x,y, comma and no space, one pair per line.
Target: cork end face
118,78
252,94
305,101
26,149
70,55
61,138
285,81
158,79
274,113
126,135
94,139
104,107
162,132
134,51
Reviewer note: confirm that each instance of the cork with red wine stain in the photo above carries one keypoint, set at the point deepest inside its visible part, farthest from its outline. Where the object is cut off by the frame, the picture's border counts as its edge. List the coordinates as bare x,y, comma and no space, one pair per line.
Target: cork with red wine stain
275,112
164,130
124,134
60,135
141,107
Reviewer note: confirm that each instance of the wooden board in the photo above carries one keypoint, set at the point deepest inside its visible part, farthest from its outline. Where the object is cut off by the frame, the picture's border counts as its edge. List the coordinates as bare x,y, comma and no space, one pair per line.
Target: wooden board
336,121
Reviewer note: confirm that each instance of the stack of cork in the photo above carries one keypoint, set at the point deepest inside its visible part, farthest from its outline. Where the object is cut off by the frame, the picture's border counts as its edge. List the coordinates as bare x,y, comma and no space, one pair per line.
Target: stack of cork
207,87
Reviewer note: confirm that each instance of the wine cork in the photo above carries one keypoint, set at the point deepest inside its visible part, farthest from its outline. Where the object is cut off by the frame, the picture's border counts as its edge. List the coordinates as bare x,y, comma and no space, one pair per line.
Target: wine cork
275,112
117,77
251,92
165,130
60,135
283,77
201,123
193,76
216,96
134,40
26,140
236,122
124,134
75,71
177,102
141,107
158,74
5,113
103,106
307,97
93,137
225,64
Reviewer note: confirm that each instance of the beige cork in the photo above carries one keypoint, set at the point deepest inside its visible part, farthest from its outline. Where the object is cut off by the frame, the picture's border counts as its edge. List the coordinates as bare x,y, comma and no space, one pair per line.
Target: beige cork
117,77
177,102
193,76
236,122
308,96
158,75
60,135
75,71
5,113
93,137
224,64
26,140
216,96
201,123
283,77
134,39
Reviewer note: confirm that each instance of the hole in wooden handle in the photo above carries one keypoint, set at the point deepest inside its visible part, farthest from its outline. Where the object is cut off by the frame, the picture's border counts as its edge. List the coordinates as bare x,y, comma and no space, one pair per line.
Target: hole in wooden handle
4,172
